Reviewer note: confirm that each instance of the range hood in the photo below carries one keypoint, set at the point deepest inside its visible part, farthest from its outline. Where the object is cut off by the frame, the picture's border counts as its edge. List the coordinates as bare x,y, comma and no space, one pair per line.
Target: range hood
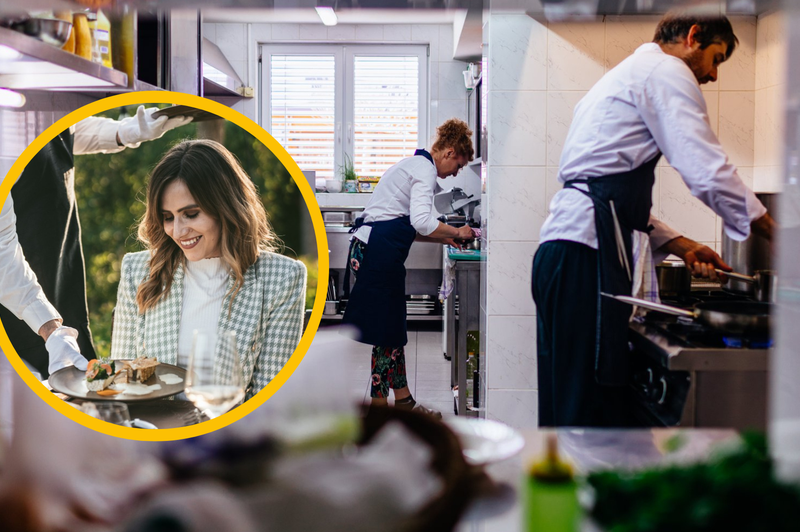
219,77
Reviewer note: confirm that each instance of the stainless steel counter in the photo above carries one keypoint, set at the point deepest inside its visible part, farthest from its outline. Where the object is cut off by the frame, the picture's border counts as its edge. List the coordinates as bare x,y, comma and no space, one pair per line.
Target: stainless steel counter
467,288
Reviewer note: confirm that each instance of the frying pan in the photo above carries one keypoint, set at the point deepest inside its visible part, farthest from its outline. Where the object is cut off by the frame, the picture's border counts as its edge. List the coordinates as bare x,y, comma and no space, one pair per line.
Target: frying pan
735,318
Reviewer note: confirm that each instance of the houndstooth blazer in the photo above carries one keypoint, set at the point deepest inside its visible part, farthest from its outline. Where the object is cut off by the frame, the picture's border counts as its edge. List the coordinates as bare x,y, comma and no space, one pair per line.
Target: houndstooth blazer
267,317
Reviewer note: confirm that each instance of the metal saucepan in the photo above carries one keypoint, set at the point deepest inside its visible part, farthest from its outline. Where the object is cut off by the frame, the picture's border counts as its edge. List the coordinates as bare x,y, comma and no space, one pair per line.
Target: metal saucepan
764,281
674,279
736,318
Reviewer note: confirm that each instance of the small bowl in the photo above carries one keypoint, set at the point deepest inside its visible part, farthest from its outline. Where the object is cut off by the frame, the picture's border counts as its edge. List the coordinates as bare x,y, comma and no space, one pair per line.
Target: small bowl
49,30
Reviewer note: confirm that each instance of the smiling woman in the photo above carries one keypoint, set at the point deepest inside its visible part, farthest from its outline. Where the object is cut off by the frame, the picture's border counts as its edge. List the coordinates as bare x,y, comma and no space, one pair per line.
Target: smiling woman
209,267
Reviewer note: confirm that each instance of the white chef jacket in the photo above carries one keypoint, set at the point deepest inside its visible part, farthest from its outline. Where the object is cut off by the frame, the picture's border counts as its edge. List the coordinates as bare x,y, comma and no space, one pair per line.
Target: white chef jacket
20,291
651,101
405,189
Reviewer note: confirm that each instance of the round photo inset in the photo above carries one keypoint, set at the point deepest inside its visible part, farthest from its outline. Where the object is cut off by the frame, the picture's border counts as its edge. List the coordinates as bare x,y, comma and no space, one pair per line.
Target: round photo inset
201,243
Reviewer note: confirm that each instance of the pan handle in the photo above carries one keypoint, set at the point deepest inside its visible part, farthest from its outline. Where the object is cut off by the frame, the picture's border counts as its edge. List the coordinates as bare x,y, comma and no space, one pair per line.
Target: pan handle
650,305
739,276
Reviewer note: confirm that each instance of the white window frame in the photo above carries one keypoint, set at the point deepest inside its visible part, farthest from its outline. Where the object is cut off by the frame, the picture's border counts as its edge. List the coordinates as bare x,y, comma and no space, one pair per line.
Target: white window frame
343,82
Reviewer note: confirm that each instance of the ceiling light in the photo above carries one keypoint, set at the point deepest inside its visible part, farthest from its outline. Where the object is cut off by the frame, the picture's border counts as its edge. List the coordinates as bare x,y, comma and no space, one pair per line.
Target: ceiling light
327,15
11,99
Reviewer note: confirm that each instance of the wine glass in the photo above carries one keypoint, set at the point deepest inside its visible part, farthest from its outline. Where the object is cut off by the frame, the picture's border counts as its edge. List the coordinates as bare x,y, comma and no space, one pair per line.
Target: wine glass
214,380
116,413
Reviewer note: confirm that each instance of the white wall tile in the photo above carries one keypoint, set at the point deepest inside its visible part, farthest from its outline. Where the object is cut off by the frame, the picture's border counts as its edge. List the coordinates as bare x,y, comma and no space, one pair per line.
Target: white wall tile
450,109
769,126
210,31
746,173
712,105
624,34
428,33
397,32
560,106
240,67
313,32
768,179
433,79
509,278
739,72
511,352
342,32
516,408
771,42
232,40
736,123
518,129
445,42
261,33
683,212
552,185
285,32
451,80
575,56
517,205
369,32
517,53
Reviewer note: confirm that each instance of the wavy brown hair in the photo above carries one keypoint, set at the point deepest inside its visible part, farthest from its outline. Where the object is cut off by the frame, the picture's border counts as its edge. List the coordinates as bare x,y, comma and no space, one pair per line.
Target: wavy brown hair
456,134
224,191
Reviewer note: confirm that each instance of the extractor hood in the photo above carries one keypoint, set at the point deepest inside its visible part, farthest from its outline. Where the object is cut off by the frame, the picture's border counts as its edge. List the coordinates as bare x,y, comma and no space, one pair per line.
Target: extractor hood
219,77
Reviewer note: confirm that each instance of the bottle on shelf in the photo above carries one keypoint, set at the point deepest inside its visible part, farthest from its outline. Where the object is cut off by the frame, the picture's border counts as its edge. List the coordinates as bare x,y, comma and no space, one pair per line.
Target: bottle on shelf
102,39
551,497
83,35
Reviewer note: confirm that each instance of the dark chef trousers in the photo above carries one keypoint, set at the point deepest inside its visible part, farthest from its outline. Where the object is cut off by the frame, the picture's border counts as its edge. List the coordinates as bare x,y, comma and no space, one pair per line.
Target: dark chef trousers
564,286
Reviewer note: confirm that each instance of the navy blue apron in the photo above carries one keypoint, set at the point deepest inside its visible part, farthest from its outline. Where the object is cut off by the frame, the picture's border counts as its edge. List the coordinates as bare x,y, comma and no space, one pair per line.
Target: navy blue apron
377,302
50,236
631,193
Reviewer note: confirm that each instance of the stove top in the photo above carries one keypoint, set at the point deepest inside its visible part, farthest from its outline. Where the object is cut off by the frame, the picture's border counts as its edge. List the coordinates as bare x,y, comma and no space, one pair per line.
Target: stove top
679,343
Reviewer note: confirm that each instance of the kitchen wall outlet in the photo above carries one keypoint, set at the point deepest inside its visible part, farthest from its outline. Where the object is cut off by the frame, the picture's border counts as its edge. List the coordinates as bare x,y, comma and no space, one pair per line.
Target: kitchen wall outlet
247,92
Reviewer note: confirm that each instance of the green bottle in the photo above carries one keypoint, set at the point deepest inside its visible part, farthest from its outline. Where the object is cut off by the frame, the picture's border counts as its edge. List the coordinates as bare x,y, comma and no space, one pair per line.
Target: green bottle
552,494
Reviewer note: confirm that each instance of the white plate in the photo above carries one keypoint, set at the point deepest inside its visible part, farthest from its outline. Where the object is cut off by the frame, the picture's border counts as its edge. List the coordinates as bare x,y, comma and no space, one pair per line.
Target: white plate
484,441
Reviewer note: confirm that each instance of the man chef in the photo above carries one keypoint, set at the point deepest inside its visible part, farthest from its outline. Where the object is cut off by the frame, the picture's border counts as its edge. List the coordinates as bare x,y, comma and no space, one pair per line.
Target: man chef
650,104
40,218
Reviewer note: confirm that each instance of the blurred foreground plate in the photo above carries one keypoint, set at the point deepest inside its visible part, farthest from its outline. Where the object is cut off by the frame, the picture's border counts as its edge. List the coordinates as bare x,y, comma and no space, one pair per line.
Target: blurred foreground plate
484,441
69,381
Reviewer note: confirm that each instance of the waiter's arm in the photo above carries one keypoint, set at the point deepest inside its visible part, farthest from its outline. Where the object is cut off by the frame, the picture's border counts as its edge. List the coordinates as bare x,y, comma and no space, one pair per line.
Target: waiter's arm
21,292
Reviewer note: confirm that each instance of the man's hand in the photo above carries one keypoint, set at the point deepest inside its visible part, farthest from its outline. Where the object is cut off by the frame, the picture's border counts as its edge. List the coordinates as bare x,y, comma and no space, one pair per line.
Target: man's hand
764,226
64,351
142,127
701,260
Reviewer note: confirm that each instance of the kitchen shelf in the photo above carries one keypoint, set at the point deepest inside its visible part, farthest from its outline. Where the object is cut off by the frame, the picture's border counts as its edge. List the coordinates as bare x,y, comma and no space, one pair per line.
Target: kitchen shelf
410,317
43,66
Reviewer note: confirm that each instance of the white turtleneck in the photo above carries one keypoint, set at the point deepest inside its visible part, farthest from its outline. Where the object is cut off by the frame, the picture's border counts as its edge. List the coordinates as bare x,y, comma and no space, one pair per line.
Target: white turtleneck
204,287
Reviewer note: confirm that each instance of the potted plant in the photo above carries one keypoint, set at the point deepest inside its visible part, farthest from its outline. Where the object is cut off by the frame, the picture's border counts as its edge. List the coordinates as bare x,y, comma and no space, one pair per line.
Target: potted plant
348,173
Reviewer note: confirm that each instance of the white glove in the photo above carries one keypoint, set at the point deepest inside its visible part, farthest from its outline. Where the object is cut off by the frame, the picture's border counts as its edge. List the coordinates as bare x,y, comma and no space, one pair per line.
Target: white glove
63,349
137,129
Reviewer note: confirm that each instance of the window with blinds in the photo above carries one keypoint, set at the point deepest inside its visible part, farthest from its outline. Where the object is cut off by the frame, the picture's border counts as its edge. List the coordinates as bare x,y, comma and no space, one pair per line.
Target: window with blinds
328,103
385,111
303,109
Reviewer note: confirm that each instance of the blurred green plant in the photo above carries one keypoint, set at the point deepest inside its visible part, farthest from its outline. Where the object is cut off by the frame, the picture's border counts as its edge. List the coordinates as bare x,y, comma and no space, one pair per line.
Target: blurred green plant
110,191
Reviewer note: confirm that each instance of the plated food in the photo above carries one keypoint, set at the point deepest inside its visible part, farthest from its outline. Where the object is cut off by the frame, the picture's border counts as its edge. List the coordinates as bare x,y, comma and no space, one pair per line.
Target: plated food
142,379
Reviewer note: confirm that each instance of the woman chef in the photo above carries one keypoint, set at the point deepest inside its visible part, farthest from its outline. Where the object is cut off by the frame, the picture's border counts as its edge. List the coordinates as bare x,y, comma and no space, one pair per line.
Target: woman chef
399,212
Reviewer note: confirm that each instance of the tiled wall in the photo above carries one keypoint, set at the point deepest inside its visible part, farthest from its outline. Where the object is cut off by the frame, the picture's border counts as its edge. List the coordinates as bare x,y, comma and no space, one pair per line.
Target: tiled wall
537,74
770,94
448,96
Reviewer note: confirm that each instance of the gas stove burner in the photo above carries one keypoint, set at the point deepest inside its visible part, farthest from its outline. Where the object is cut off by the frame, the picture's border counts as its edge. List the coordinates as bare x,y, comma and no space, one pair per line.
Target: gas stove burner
744,342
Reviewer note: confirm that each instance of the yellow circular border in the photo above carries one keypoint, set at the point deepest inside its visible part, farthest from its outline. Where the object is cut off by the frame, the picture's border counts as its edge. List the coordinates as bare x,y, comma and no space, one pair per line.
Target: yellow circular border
152,97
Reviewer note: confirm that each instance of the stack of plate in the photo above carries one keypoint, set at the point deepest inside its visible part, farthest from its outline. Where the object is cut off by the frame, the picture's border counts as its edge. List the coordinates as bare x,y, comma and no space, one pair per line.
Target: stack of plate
420,305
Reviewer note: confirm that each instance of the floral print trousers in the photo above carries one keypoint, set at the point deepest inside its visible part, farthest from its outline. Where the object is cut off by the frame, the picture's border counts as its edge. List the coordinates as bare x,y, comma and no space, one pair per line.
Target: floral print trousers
388,363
